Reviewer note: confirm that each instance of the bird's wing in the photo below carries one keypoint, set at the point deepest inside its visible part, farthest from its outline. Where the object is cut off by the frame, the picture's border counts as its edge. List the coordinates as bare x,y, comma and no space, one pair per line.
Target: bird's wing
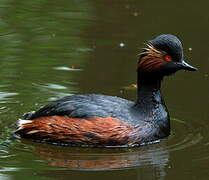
82,106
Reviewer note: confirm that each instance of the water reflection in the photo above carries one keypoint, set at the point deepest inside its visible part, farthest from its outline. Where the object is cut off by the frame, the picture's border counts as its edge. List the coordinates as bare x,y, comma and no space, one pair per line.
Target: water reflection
155,156
5,97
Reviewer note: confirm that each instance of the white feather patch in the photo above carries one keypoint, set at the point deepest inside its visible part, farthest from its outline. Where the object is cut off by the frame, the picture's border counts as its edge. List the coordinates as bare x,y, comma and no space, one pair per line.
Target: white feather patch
22,122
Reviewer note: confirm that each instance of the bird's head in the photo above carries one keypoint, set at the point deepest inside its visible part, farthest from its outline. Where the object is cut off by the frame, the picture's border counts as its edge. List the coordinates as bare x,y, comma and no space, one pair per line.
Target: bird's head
163,56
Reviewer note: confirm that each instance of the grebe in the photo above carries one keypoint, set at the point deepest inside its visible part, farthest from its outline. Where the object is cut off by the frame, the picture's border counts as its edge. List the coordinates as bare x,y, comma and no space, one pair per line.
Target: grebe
93,120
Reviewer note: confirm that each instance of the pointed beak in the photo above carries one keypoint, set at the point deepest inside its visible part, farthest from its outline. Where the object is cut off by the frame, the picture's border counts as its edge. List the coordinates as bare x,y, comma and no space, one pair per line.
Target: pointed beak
186,66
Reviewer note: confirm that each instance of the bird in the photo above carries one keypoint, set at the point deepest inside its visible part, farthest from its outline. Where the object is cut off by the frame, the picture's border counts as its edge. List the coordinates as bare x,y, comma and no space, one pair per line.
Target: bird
96,120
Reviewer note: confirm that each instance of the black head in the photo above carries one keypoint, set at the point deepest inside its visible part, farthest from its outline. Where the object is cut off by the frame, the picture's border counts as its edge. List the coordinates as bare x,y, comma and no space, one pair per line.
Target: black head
163,55
169,44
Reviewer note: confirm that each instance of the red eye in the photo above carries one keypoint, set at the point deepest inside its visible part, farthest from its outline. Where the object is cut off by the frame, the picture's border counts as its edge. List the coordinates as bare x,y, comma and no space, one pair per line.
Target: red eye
167,58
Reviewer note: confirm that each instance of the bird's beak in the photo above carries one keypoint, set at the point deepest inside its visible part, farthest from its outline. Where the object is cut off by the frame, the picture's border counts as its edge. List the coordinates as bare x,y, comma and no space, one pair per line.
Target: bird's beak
186,66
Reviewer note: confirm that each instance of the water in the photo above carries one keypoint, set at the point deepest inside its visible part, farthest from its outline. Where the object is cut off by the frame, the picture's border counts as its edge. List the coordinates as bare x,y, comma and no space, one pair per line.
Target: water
50,49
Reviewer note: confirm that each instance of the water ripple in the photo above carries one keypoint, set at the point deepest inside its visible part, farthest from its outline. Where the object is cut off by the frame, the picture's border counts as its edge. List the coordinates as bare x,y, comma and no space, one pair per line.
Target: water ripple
64,68
183,136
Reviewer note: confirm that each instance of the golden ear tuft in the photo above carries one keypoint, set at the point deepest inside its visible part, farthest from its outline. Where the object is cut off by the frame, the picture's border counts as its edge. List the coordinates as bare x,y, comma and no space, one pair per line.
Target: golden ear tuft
151,51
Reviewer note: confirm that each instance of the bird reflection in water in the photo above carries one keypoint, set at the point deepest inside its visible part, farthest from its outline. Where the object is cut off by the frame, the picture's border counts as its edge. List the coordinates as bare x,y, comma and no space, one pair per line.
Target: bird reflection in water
91,159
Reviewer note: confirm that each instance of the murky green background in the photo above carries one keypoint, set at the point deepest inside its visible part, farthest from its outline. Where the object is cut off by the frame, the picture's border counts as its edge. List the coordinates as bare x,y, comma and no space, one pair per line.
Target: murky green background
39,43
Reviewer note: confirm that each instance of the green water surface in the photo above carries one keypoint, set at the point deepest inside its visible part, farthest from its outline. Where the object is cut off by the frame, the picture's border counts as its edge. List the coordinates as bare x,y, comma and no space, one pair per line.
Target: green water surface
49,49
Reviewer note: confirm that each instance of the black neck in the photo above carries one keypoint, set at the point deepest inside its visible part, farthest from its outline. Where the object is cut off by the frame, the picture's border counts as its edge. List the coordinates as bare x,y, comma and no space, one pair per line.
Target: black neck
148,90
150,105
